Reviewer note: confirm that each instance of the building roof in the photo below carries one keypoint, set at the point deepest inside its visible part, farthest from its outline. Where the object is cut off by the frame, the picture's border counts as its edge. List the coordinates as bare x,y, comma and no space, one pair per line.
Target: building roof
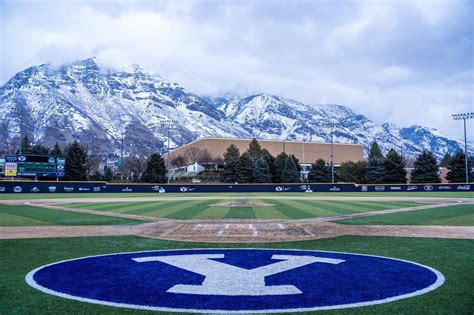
306,152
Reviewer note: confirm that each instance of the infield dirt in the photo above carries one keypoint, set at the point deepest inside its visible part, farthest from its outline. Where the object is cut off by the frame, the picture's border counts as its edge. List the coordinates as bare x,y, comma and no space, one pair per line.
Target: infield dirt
240,230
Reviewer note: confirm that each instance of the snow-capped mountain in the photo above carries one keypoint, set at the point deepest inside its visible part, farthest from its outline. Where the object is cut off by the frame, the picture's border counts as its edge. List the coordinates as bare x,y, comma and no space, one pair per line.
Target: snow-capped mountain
82,101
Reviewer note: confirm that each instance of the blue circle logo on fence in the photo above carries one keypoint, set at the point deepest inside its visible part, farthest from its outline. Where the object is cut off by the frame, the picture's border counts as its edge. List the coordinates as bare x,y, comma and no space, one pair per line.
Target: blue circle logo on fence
235,280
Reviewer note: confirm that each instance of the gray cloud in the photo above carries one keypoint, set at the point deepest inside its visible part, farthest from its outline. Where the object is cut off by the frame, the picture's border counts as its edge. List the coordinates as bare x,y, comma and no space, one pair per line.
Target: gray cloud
397,61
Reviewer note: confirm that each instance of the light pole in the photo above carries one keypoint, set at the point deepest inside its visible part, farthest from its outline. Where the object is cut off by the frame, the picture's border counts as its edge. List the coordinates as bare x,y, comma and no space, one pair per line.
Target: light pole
464,117
121,173
168,123
332,154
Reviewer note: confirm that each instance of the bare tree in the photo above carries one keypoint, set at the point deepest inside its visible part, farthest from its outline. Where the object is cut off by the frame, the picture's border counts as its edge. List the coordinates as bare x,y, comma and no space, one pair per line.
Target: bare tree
178,161
135,165
192,155
94,156
205,157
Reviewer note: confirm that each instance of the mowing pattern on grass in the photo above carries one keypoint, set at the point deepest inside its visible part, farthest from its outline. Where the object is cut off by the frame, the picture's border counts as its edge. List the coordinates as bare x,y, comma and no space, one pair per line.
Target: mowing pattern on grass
282,209
32,216
460,215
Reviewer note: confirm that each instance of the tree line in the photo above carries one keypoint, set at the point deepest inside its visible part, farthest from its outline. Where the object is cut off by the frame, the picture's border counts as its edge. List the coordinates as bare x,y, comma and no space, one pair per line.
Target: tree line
257,165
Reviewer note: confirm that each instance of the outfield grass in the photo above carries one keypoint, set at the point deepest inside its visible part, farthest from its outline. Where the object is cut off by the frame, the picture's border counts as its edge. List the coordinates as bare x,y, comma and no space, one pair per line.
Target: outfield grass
460,215
32,216
287,194
451,257
281,209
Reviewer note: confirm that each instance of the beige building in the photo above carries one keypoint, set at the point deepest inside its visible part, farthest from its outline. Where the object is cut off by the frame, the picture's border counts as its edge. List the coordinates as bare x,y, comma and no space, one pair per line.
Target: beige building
306,152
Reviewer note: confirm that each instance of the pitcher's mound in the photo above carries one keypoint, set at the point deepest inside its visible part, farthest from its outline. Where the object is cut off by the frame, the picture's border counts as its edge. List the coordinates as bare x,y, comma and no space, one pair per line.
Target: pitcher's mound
242,203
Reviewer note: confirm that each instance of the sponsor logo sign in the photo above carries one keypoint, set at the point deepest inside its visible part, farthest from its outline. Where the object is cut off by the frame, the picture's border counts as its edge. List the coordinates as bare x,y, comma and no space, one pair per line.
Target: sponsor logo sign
428,188
35,189
84,189
68,189
364,188
126,189
306,188
444,188
235,280
52,188
97,189
280,189
17,189
464,187
334,188
159,189
2,189
379,188
395,188
186,189
410,188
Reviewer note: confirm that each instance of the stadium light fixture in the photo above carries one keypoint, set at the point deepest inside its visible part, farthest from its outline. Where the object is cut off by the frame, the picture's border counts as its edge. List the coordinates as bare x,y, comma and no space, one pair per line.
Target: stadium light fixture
464,117
168,124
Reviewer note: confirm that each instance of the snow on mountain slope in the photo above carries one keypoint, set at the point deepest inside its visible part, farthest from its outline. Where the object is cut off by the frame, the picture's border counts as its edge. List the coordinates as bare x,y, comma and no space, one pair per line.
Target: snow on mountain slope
82,101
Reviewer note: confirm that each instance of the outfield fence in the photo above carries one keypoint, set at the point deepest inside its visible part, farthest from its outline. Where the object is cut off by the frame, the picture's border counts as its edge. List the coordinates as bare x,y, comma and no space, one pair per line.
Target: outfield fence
104,187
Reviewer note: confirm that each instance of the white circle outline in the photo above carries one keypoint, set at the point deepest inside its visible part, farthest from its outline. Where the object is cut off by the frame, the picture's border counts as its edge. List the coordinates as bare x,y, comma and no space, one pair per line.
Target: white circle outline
30,280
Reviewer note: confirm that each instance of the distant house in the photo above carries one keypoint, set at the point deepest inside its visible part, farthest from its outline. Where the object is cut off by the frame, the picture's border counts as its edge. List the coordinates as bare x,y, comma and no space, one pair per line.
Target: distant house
195,168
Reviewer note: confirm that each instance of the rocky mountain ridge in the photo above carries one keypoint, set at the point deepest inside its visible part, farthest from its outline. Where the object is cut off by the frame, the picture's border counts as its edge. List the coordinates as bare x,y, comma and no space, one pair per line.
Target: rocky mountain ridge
83,101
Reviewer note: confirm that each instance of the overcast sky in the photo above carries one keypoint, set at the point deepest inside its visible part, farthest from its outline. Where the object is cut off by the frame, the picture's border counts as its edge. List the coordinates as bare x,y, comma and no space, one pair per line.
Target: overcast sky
405,62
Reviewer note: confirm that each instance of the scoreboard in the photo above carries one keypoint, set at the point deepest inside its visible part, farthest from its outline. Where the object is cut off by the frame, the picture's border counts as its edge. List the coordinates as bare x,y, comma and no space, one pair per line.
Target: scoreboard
36,166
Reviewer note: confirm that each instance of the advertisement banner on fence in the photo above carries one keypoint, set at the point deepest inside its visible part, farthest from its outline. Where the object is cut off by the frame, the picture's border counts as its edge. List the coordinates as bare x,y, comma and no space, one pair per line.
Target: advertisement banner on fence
96,187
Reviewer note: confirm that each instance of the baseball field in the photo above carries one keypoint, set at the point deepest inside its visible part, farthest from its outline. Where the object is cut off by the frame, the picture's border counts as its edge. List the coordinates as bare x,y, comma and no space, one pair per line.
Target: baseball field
45,237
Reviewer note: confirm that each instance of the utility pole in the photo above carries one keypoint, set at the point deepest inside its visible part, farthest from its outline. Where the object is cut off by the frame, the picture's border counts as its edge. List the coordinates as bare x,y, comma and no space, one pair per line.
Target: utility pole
464,117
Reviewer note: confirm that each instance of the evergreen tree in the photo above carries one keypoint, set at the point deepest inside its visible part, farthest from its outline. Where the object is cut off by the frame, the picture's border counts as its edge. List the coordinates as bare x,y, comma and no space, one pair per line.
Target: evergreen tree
290,173
261,171
319,172
375,151
297,163
446,160
97,175
279,165
39,149
426,169
271,163
255,151
375,171
231,158
75,162
457,168
108,175
25,145
155,171
394,166
353,172
244,169
56,151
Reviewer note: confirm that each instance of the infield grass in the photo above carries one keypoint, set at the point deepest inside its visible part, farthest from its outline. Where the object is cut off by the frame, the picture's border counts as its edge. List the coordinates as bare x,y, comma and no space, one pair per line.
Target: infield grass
451,257
279,209
459,215
33,216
